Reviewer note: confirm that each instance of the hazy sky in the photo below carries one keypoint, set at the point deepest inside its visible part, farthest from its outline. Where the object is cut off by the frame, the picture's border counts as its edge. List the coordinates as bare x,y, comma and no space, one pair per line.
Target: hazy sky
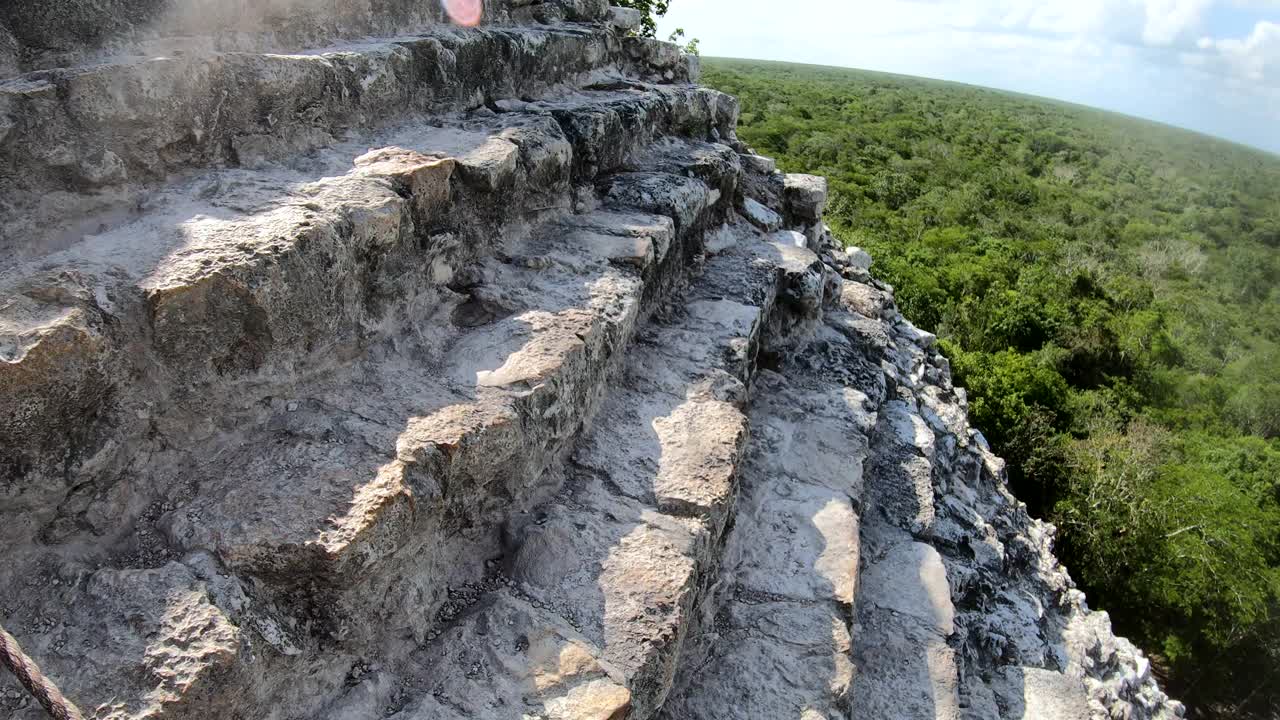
1209,65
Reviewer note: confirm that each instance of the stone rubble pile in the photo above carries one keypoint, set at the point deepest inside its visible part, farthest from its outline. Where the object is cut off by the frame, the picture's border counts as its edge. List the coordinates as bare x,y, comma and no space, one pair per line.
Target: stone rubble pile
356,365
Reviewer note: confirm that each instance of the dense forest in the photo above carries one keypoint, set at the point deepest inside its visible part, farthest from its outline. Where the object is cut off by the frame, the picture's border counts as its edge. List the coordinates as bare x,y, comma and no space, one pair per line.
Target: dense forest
1108,291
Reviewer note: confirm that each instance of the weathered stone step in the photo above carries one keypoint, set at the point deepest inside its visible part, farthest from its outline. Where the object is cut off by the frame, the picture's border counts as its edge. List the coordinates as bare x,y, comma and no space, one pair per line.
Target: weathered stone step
461,437
246,276
341,515
781,639
962,611
602,127
607,575
507,658
342,506
906,664
73,141
607,124
63,32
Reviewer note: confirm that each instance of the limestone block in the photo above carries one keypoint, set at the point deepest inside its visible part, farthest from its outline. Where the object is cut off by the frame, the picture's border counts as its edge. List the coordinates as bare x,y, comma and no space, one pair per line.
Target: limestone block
761,216
682,199
806,196
911,580
624,19
490,167
858,257
759,163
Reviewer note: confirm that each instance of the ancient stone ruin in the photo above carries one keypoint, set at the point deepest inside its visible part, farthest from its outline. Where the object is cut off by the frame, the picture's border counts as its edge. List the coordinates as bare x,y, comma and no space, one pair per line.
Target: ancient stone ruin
357,365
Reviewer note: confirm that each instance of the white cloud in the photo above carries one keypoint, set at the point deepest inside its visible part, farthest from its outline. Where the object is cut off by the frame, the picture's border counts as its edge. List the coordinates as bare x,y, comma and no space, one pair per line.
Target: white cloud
1155,58
1256,57
1151,22
1169,21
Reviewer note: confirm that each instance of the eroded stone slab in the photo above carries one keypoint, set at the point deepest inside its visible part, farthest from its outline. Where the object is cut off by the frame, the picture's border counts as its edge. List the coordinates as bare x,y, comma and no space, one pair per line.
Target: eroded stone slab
911,580
805,196
772,660
510,659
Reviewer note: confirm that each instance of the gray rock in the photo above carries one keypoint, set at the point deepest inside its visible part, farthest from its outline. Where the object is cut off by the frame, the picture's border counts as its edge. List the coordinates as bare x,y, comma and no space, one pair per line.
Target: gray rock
782,642
761,216
585,10
780,659
509,658
258,109
721,240
1039,693
8,56
858,257
759,163
792,238
625,19
492,166
681,198
910,580
806,197
693,69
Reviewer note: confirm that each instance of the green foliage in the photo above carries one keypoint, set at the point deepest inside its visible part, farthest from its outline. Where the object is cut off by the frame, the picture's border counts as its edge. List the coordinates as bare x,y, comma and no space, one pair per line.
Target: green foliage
690,47
1182,531
1108,290
651,10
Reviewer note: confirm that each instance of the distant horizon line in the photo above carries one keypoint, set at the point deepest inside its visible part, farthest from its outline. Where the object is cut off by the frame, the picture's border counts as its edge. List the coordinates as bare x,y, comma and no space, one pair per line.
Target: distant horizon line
1274,154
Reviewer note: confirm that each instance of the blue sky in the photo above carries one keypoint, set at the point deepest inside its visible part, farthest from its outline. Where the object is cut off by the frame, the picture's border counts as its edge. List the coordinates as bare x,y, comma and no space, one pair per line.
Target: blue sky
1208,65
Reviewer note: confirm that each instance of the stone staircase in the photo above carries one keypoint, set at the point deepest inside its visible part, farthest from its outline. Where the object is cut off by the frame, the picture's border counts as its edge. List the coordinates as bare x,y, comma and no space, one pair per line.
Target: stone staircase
476,373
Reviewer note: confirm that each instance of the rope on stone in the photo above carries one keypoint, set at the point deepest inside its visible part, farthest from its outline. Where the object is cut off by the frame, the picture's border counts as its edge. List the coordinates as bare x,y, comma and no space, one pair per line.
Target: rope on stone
40,687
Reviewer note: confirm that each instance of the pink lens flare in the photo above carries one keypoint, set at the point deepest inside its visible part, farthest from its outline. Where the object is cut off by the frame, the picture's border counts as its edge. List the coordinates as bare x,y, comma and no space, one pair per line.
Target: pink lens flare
466,13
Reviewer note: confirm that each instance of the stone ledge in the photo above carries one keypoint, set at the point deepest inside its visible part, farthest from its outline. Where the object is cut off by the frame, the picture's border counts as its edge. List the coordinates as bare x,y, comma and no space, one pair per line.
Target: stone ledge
68,32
